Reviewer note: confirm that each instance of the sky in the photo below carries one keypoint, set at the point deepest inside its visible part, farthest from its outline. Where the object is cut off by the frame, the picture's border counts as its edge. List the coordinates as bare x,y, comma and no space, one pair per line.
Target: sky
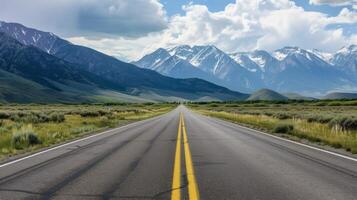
129,29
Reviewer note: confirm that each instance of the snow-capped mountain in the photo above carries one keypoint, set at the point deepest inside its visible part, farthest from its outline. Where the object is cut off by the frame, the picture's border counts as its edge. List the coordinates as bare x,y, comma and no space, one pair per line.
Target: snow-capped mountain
37,58
46,41
302,71
209,62
169,64
289,69
322,55
346,60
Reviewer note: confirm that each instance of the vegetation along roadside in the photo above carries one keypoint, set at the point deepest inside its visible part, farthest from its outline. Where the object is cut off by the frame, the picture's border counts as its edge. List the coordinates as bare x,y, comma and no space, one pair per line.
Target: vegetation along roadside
332,123
26,127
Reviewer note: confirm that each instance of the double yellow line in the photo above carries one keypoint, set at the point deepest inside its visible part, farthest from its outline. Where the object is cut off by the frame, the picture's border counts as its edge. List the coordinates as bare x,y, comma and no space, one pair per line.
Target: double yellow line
176,181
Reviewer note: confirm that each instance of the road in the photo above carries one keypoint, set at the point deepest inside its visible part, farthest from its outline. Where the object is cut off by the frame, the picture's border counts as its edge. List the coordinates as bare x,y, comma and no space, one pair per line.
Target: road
180,155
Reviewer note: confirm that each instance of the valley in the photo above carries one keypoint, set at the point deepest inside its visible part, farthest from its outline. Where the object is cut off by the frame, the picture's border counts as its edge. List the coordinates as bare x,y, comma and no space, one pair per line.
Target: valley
193,99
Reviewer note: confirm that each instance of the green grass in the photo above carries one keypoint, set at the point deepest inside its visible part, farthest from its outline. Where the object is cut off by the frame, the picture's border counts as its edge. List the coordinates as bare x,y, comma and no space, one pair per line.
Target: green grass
332,123
29,127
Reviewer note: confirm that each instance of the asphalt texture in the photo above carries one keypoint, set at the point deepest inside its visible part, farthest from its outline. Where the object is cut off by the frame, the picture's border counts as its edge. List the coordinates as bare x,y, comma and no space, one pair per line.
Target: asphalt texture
137,162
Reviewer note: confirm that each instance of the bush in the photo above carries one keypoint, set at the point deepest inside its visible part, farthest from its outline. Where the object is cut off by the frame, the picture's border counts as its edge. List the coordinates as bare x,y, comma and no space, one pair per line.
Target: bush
283,128
4,115
346,123
36,117
282,116
92,113
319,119
24,138
56,117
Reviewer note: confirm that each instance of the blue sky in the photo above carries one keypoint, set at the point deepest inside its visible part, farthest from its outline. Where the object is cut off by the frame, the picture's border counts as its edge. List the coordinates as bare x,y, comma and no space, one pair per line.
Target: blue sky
175,6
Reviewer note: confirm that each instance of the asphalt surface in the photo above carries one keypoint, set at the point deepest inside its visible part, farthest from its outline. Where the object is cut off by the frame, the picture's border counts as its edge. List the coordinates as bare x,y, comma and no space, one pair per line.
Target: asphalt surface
137,162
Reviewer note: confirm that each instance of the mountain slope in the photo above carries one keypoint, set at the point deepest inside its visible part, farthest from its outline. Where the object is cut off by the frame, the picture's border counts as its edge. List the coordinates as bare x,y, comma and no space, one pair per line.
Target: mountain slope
346,60
340,95
266,95
173,66
290,69
296,96
302,71
206,62
14,88
117,76
31,75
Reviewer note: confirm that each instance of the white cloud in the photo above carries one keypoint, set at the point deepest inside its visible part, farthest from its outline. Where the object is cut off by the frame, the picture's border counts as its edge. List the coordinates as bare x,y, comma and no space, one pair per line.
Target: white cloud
346,16
94,18
333,2
295,27
241,26
259,24
123,48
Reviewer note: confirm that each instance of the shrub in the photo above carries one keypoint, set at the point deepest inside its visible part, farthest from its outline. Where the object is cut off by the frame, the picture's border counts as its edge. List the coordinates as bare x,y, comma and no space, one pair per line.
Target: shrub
24,138
37,117
346,123
282,116
4,115
334,103
283,128
319,119
92,113
56,117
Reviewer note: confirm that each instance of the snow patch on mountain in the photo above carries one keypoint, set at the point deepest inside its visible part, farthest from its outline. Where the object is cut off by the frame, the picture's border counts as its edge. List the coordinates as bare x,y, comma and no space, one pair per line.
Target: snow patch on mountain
322,55
280,55
347,50
258,60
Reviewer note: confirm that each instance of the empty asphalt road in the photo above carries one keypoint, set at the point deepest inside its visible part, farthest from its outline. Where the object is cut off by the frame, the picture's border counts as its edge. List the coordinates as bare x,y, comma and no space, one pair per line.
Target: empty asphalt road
180,155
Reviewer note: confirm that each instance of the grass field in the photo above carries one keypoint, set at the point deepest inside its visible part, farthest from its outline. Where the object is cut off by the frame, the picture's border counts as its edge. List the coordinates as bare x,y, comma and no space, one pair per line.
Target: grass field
28,127
332,123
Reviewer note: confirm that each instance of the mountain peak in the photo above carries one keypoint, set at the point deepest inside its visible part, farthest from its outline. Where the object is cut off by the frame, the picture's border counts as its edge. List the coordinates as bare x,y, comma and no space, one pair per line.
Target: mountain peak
291,49
46,41
160,51
297,52
267,95
282,53
325,56
348,49
208,48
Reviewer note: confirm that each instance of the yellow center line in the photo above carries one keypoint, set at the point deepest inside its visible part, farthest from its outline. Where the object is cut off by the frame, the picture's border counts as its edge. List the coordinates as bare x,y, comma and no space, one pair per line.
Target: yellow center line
192,184
176,180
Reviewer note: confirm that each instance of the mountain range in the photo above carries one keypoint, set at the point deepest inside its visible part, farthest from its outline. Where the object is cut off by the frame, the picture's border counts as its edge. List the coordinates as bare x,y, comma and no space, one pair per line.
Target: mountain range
38,66
286,70
45,67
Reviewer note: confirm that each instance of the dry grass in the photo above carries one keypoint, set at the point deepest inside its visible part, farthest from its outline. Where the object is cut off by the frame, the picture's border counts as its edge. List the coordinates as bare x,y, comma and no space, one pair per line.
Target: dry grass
313,131
53,124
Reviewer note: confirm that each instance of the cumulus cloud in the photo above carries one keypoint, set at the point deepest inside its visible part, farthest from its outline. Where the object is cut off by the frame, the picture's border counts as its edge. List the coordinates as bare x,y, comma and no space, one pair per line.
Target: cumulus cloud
295,27
128,29
242,26
262,24
128,18
346,16
333,2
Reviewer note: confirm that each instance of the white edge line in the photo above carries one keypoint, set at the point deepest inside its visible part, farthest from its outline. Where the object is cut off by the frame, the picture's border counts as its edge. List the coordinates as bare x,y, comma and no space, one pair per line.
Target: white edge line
69,143
291,141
